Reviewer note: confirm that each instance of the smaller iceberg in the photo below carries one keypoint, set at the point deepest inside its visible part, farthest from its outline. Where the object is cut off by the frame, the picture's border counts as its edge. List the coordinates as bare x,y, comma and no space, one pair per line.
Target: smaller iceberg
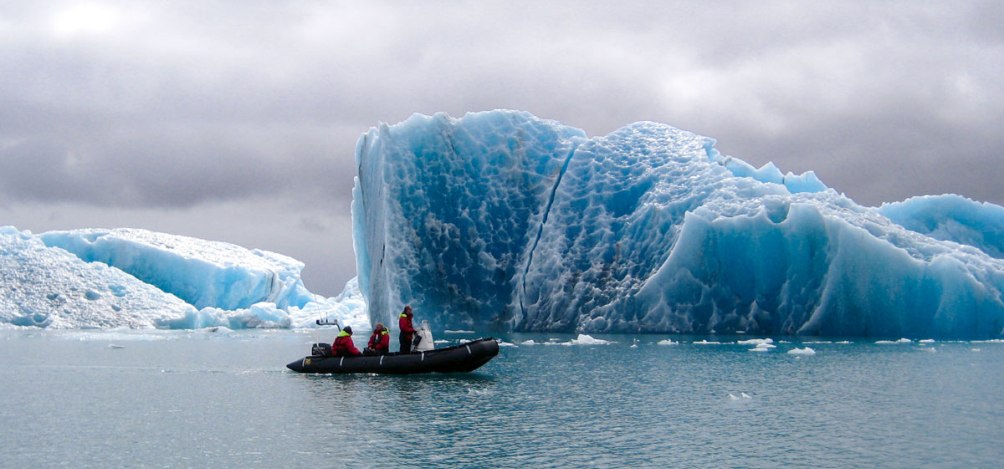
201,273
102,279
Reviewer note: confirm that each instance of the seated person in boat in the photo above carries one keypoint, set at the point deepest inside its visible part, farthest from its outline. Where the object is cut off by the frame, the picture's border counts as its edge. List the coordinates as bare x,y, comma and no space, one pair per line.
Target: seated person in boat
379,343
343,346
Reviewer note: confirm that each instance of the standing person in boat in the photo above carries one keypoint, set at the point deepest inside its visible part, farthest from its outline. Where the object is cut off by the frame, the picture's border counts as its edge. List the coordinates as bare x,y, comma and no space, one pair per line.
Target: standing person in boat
379,343
407,329
343,346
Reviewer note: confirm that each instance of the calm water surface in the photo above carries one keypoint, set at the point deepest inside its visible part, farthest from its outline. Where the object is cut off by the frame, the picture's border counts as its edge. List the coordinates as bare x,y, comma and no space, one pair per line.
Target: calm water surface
225,399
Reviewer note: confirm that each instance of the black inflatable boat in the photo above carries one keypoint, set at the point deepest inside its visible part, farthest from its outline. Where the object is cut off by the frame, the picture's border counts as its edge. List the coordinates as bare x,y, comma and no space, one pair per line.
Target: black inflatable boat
461,358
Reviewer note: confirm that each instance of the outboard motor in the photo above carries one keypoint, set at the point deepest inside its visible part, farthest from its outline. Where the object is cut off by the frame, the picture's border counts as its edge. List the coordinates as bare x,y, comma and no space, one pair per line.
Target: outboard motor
320,349
423,338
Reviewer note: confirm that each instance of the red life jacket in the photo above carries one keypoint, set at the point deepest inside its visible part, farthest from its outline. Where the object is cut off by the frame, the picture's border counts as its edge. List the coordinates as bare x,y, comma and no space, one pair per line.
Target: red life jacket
404,323
344,346
380,341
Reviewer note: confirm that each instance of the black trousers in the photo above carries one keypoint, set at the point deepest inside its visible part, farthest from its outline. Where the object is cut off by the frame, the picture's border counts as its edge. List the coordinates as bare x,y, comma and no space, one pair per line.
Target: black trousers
405,340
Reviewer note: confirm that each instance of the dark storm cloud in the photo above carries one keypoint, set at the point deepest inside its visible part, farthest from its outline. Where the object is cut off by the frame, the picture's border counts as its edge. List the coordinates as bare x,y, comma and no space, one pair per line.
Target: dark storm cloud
179,107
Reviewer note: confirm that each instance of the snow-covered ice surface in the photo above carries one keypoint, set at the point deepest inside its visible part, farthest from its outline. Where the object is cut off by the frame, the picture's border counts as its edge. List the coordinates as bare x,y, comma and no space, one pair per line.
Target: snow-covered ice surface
501,219
45,287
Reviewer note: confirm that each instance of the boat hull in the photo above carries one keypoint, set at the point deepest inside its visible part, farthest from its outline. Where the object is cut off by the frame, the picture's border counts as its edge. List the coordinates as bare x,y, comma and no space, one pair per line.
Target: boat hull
461,358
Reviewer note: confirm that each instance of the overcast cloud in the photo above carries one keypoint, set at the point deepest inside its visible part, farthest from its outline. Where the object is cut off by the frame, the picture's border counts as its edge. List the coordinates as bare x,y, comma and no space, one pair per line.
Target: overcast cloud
237,121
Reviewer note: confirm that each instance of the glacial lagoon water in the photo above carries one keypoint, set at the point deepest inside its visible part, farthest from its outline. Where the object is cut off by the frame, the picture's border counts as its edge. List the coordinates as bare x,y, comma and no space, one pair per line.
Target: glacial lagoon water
225,399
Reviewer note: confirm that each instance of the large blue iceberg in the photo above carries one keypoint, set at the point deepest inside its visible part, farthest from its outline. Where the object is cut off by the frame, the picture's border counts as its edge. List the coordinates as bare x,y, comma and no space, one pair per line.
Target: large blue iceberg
503,220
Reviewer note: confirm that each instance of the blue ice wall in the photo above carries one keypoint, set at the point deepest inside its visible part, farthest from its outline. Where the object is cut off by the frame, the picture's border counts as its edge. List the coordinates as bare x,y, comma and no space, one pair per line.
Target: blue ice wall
500,219
445,212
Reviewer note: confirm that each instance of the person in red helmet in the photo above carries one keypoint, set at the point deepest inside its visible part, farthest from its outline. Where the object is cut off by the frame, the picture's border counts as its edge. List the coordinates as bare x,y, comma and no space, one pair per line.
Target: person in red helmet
343,346
407,329
379,343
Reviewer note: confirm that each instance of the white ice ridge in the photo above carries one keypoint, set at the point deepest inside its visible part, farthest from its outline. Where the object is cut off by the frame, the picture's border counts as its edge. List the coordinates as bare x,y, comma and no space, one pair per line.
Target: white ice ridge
202,273
503,220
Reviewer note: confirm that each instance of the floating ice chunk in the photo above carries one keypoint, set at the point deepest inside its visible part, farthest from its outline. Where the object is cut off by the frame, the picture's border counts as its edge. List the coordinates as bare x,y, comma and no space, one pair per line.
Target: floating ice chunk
767,341
528,342
457,332
584,339
900,341
802,351
707,342
763,347
926,341
667,342
506,344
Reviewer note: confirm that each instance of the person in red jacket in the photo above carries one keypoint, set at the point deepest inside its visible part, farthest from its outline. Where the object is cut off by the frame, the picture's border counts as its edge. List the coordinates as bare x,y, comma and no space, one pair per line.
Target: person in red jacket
407,329
343,346
379,343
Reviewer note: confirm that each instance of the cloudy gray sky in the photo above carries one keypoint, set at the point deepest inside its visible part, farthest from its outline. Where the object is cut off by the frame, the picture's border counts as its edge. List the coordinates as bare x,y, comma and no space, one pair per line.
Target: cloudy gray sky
237,120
